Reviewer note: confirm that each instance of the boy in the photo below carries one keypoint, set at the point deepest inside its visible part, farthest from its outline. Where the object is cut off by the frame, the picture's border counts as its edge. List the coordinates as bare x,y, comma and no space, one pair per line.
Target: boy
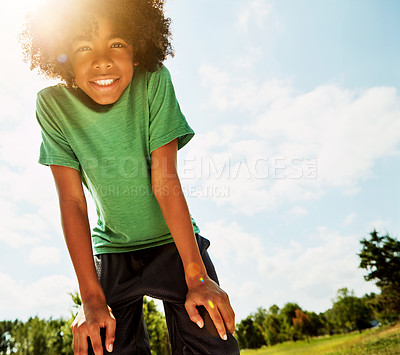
116,126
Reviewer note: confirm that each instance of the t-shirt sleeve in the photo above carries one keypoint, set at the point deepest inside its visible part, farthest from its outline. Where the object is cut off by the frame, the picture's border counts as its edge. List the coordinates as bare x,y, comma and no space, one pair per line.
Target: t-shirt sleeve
54,149
166,119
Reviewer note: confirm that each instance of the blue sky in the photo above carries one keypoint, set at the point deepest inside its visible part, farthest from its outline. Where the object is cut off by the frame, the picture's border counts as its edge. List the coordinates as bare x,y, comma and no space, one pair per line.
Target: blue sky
295,105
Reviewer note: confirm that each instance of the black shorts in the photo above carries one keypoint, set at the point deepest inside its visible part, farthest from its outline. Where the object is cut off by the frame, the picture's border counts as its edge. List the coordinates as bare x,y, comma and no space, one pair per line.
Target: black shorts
157,272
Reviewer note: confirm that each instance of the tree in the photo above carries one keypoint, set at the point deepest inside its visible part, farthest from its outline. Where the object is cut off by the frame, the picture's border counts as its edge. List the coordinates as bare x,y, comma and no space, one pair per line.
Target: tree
272,326
249,334
287,313
274,309
156,328
330,323
301,322
350,312
385,305
272,329
37,334
380,256
7,343
268,324
76,299
317,324
260,316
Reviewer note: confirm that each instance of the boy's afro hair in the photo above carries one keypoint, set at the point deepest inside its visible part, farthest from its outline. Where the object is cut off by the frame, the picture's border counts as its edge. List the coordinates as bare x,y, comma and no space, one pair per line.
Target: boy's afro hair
49,30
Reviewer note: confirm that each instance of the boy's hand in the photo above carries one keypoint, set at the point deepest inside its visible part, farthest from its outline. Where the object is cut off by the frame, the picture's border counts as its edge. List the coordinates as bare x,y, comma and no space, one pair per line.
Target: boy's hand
91,317
205,292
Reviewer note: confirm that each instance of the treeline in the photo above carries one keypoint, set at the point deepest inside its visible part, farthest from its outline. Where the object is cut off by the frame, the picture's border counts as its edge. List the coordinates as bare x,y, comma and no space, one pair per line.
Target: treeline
380,256
291,322
54,336
36,336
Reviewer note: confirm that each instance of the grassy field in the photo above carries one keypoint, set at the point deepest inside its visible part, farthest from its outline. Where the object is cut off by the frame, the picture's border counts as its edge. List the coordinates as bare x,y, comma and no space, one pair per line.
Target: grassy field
378,341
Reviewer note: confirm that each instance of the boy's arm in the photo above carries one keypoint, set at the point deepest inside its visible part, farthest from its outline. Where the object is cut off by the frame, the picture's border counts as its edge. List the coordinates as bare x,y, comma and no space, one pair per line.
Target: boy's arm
201,289
74,218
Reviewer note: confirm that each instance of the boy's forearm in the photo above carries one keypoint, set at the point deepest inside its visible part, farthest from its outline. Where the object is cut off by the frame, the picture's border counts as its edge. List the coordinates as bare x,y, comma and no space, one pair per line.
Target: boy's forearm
78,239
174,208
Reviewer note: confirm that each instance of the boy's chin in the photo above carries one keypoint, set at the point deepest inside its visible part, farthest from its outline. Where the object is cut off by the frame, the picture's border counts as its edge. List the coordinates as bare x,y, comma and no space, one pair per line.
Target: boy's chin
103,99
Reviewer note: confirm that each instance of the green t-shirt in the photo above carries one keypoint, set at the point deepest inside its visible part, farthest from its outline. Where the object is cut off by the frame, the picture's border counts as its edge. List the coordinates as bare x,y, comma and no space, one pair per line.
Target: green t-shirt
110,145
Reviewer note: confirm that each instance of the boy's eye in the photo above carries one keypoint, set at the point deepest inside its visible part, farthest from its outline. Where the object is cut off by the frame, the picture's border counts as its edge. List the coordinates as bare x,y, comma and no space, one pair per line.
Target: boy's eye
83,49
118,45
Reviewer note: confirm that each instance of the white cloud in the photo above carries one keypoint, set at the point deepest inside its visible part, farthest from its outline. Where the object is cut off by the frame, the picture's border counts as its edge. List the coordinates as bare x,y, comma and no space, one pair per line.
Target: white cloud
19,148
349,219
28,199
307,274
297,211
249,58
295,146
254,11
19,229
44,255
45,297
230,243
229,91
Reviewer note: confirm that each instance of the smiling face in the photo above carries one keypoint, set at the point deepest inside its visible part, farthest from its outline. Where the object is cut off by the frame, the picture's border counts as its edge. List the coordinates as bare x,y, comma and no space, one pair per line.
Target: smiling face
102,63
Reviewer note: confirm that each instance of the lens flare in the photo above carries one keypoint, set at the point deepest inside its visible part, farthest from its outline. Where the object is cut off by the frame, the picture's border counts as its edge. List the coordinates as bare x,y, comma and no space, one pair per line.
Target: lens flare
62,58
211,304
193,269
201,280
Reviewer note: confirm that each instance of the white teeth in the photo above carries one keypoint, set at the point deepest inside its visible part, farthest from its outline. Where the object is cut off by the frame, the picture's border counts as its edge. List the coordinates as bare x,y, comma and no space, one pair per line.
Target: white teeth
104,82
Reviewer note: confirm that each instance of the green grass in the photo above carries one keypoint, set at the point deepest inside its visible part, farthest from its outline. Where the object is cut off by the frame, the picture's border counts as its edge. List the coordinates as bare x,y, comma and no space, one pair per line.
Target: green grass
378,341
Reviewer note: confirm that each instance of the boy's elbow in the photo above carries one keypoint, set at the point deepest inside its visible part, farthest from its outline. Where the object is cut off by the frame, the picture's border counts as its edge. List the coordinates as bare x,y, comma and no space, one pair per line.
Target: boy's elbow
73,203
69,187
166,188
157,190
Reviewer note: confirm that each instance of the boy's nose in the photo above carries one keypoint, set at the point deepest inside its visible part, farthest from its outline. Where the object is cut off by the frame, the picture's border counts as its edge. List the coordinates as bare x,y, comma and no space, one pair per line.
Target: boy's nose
102,61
